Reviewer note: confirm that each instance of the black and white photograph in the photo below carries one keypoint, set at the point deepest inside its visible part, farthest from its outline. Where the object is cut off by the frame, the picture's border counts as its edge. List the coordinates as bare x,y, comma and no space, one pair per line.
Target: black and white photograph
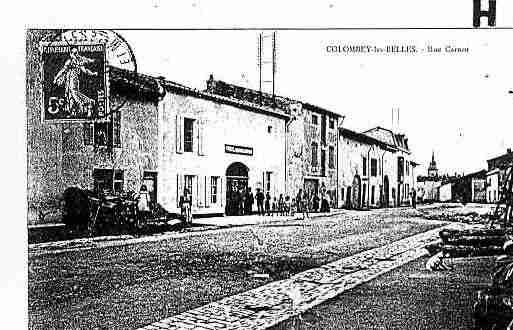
268,176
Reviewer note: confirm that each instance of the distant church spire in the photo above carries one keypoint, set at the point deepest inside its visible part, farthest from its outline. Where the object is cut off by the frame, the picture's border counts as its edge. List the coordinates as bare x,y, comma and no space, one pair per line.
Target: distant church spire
432,170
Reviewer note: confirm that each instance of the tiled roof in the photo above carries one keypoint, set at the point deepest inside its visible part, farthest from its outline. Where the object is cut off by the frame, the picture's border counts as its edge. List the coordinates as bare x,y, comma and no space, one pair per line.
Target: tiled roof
282,103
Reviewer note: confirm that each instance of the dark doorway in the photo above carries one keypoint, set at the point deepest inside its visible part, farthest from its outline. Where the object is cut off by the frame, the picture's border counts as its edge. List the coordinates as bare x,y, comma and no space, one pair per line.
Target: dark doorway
150,181
364,195
236,184
386,192
323,162
311,187
399,196
348,198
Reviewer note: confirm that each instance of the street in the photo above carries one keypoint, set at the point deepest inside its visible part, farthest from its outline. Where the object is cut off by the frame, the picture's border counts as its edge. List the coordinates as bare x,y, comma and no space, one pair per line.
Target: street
132,285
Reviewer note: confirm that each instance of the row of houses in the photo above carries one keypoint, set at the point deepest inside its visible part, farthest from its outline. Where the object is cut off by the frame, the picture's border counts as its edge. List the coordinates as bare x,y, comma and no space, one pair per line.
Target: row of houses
214,141
483,186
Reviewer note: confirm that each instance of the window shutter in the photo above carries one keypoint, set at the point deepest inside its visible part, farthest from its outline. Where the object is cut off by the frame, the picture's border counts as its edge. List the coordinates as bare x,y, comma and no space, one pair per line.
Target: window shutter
201,190
208,190
179,134
220,190
201,137
179,188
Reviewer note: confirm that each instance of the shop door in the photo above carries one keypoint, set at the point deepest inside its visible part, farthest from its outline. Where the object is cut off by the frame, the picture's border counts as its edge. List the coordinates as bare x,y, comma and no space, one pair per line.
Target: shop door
150,181
311,187
236,185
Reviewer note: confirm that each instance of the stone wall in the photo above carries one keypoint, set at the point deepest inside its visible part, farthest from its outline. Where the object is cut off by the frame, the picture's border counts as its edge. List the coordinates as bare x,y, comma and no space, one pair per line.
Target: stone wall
57,156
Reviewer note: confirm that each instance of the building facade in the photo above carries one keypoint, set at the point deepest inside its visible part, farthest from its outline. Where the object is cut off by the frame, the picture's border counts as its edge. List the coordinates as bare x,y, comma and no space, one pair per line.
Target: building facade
369,170
215,142
311,144
496,174
402,161
216,146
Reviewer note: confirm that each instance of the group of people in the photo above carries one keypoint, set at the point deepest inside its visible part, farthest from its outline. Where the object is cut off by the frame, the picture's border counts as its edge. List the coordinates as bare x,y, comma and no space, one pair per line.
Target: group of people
243,201
312,202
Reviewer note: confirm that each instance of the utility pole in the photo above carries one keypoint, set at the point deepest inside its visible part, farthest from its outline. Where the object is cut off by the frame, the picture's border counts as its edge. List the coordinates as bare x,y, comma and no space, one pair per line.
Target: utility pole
267,64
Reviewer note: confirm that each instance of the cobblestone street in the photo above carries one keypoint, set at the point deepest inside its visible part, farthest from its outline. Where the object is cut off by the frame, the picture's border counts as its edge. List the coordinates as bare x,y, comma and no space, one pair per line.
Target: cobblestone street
134,285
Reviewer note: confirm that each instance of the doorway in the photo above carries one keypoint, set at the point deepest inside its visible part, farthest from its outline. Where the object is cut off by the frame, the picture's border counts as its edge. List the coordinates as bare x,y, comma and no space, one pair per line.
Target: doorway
357,191
150,181
236,185
386,193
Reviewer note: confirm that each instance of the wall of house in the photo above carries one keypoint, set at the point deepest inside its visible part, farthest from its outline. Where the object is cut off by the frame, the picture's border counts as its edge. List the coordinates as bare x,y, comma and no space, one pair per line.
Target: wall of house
428,190
492,186
215,125
57,156
446,192
312,134
350,159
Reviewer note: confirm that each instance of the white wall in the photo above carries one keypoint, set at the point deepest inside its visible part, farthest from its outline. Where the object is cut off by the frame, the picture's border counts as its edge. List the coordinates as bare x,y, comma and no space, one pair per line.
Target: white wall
223,124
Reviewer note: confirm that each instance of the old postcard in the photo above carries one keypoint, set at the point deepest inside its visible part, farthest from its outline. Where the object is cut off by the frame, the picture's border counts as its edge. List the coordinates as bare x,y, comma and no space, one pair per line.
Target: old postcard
270,177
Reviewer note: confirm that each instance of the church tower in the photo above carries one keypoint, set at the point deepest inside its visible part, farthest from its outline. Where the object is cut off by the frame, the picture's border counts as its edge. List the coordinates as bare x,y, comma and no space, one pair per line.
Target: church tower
432,170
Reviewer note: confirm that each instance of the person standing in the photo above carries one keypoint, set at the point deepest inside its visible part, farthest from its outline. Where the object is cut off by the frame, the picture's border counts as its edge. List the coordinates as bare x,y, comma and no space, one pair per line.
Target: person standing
186,205
315,203
260,201
143,205
302,201
414,198
267,203
281,205
249,201
242,202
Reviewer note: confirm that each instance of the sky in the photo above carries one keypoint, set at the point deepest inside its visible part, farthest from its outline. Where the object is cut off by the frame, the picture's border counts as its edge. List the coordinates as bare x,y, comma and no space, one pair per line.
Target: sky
453,104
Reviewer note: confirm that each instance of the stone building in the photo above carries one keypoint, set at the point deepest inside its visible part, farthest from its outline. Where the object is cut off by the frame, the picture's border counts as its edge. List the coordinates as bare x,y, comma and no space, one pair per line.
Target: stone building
118,153
496,174
369,169
311,144
215,146
402,177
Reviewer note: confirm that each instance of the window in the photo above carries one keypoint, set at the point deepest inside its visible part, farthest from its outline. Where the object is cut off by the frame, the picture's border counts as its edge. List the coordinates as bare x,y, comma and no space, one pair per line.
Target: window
332,124
189,179
314,155
104,180
400,169
341,194
269,129
314,120
364,161
188,130
105,133
213,189
331,157
407,168
373,188
374,167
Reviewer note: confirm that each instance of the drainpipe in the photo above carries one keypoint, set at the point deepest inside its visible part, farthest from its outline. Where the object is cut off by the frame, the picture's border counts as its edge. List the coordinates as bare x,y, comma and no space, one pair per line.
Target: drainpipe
287,125
382,191
368,175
